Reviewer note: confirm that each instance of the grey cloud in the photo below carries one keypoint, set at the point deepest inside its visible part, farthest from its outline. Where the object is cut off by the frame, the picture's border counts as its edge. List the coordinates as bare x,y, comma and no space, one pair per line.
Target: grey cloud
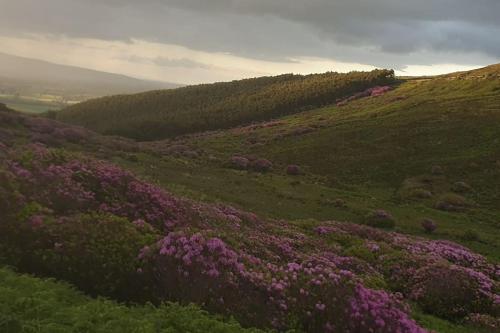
182,63
168,62
386,33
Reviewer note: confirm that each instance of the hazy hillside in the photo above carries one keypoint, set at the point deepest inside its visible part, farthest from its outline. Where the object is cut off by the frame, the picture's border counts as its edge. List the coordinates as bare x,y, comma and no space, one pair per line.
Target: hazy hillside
37,82
162,114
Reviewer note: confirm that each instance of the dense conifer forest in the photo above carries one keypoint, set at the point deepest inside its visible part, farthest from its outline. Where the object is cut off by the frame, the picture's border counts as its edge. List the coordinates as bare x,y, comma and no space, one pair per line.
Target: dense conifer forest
168,113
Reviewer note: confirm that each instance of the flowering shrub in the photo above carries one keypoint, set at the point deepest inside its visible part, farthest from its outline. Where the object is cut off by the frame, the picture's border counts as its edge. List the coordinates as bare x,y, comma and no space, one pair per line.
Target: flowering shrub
206,271
370,92
74,185
379,90
452,292
293,170
111,233
371,313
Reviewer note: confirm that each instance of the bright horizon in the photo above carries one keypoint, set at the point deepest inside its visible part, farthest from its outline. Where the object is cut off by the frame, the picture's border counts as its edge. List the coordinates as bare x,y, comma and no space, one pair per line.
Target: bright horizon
139,59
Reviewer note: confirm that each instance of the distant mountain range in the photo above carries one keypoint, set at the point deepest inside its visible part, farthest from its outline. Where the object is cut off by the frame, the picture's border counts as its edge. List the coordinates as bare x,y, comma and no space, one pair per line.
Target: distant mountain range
41,82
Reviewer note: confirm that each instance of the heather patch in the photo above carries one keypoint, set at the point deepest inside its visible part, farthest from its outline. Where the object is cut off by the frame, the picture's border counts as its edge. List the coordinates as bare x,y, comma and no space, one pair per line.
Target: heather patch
110,233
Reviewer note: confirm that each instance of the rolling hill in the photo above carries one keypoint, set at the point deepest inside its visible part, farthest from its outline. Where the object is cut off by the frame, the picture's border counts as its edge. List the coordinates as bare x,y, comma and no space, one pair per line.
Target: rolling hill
25,81
162,114
380,206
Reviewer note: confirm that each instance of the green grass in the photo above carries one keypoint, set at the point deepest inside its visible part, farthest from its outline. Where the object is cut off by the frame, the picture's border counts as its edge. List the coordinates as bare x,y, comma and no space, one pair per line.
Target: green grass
29,106
29,304
364,153
442,326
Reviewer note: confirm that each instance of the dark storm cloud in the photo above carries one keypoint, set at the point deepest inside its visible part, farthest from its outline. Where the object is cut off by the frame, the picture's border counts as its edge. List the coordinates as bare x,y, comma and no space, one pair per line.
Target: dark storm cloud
374,32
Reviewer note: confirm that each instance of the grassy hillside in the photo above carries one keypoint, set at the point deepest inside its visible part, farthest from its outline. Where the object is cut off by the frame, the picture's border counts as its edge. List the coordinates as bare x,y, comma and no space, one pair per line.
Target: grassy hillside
29,304
371,153
188,220
87,221
163,114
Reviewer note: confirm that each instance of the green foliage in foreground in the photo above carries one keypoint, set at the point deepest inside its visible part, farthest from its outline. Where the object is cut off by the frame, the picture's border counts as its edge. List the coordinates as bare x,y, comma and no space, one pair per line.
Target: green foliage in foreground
29,304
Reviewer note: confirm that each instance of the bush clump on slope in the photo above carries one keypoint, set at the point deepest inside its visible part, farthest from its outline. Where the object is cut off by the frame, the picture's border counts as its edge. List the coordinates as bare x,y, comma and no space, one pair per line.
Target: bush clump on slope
380,219
451,202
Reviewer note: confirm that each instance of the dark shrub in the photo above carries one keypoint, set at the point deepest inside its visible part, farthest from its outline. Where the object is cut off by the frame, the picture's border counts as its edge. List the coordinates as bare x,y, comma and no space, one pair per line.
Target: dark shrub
461,187
437,170
261,165
71,134
429,225
453,292
293,170
96,252
380,219
340,203
421,193
5,136
239,162
193,154
451,202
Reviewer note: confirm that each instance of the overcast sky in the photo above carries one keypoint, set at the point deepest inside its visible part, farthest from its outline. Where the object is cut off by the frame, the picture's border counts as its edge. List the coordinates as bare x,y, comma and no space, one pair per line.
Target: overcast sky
191,41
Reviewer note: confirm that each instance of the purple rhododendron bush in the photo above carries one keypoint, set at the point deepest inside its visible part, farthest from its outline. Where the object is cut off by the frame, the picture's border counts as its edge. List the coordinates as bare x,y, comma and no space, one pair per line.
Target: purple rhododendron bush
72,217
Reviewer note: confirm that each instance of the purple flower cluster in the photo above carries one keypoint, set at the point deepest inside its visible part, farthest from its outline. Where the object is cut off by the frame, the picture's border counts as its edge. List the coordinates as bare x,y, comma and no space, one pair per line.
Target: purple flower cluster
266,273
71,185
373,92
195,268
369,308
445,278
